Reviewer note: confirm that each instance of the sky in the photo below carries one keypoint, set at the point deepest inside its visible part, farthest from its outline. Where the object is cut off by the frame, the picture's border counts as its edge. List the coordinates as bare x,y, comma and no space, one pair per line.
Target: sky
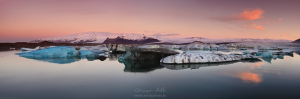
26,20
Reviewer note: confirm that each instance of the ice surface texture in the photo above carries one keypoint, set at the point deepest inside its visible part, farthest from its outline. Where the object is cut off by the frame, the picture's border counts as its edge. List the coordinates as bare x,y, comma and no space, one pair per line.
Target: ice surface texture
60,54
202,58
55,52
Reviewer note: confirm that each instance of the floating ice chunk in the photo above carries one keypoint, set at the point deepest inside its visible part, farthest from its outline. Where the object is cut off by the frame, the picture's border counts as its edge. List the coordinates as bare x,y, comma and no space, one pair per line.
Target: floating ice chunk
85,52
202,58
53,52
30,49
266,54
92,56
149,46
246,52
96,49
275,57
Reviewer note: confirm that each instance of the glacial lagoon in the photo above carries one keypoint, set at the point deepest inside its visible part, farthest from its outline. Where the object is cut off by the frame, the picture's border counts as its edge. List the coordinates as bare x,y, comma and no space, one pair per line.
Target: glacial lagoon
79,78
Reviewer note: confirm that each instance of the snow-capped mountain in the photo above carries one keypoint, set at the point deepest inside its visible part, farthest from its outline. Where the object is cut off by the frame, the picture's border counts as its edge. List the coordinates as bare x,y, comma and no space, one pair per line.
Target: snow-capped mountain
100,37
94,37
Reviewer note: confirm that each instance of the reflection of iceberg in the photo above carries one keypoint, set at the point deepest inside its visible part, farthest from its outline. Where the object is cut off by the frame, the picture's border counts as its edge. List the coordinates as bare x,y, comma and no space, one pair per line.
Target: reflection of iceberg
92,57
267,59
197,66
114,57
65,60
60,55
141,66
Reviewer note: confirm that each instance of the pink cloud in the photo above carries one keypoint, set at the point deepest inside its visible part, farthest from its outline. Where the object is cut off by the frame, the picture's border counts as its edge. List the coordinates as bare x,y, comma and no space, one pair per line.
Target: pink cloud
256,26
247,15
285,34
250,14
272,21
260,27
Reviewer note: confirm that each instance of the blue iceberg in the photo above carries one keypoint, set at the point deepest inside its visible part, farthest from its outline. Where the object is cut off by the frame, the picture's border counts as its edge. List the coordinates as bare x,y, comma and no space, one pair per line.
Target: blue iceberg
266,54
60,54
53,52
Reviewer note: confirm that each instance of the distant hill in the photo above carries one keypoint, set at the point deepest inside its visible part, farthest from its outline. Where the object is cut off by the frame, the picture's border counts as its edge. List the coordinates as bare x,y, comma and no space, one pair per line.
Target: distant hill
89,37
129,38
296,41
121,39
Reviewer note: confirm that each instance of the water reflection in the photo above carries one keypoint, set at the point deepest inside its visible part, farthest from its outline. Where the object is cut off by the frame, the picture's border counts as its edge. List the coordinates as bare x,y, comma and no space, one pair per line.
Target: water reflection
297,52
267,59
114,57
141,66
249,77
247,74
197,66
101,58
66,60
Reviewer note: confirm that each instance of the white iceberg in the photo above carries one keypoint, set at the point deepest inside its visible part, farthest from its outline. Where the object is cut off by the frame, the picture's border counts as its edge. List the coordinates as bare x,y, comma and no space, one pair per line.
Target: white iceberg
203,58
30,49
149,46
96,49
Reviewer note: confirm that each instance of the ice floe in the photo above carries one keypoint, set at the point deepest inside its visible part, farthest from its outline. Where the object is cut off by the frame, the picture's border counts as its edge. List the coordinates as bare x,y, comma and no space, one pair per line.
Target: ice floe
203,58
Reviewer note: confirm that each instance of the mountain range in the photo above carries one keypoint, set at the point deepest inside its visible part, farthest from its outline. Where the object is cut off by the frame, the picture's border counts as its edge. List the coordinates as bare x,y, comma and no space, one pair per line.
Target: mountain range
296,41
100,37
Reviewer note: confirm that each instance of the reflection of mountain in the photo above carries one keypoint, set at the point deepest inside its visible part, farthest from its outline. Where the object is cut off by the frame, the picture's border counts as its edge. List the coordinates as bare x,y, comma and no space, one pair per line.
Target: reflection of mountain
197,66
141,66
57,60
296,41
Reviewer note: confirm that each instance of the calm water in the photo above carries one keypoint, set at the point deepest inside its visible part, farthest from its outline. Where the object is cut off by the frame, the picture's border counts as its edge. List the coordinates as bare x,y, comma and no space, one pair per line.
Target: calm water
22,78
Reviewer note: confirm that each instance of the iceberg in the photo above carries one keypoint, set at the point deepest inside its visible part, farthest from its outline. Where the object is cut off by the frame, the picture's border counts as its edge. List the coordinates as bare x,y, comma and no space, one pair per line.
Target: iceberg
203,58
96,49
117,48
55,52
266,54
198,66
83,53
149,46
29,49
59,55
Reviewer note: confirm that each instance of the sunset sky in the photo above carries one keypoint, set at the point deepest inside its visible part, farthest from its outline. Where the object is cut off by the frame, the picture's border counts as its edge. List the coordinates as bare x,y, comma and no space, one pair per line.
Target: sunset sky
25,20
